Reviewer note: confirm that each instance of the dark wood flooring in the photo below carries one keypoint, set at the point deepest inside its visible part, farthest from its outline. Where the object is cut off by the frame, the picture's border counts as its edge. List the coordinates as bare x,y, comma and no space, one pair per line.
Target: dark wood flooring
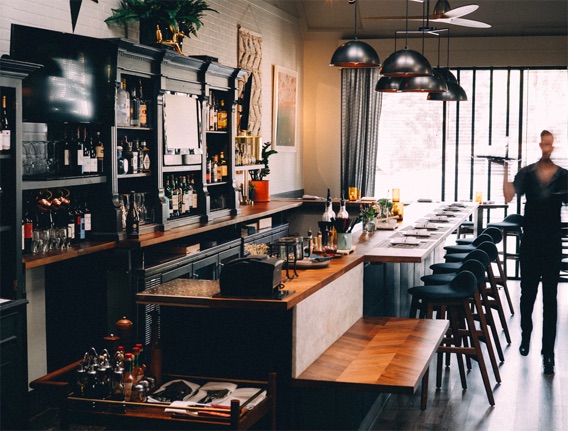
526,399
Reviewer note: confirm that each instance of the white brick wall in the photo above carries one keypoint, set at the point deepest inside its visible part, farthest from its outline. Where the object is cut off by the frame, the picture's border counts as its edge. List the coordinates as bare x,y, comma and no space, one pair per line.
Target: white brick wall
281,38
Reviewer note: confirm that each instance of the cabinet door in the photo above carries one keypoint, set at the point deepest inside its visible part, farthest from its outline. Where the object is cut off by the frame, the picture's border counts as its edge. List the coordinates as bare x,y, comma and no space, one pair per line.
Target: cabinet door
227,256
207,268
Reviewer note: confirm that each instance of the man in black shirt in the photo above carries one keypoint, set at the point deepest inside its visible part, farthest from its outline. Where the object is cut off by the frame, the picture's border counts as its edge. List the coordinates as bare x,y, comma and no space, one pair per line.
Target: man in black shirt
546,186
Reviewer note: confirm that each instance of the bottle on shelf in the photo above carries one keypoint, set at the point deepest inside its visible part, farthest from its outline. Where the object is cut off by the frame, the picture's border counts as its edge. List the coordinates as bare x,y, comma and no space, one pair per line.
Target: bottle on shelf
137,368
87,220
100,154
193,194
143,107
342,213
128,376
134,147
187,198
212,113
128,155
222,116
168,193
65,154
145,156
86,153
132,219
27,229
175,197
223,166
215,170
208,171
134,108
93,155
77,154
122,161
5,127
122,105
79,222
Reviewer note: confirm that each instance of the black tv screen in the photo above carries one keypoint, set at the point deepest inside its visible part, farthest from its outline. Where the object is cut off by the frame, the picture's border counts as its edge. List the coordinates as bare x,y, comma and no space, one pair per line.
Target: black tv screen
76,82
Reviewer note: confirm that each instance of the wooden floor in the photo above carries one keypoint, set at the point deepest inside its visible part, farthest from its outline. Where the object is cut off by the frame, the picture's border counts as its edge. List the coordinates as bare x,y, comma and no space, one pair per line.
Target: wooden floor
526,399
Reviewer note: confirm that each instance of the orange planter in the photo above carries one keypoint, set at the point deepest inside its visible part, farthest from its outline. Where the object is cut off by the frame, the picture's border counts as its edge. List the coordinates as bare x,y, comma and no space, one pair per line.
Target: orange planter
261,191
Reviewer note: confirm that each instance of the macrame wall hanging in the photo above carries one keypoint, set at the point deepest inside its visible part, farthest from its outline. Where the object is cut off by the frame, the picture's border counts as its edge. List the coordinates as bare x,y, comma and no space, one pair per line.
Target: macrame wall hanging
250,58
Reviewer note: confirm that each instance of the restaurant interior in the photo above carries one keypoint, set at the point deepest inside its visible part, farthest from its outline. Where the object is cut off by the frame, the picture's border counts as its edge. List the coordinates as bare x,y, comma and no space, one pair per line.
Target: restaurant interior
134,156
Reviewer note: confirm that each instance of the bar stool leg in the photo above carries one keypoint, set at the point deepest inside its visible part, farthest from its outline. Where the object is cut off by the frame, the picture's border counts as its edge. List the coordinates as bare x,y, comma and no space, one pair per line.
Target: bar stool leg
503,282
485,301
493,292
483,335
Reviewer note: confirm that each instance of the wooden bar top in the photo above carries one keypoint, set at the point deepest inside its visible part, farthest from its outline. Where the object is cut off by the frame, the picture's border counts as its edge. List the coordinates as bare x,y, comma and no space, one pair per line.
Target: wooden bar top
205,293
386,354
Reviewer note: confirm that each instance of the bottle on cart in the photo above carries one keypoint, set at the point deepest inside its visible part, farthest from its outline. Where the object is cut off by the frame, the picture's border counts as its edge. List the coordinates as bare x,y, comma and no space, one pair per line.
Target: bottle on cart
132,219
134,108
143,107
122,105
100,154
5,127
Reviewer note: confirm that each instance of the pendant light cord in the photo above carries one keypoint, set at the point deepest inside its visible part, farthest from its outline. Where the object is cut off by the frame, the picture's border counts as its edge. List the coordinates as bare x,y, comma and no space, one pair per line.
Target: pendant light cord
406,40
355,20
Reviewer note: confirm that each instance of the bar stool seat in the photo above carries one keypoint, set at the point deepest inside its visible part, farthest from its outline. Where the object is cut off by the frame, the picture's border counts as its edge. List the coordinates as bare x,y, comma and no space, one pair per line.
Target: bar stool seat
510,226
449,267
469,247
495,234
456,297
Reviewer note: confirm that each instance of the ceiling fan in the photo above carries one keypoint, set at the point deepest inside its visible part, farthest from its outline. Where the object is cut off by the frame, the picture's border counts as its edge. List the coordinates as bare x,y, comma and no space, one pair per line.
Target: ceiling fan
443,13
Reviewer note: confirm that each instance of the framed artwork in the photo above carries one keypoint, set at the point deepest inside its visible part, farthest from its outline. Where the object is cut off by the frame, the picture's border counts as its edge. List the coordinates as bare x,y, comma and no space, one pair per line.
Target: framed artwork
285,108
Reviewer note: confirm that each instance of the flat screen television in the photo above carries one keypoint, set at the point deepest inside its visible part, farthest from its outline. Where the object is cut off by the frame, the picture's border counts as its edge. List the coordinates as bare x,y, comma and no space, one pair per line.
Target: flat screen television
76,82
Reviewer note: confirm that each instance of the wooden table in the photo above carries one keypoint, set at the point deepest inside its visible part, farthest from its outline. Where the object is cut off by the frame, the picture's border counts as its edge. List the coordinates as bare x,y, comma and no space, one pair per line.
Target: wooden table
382,354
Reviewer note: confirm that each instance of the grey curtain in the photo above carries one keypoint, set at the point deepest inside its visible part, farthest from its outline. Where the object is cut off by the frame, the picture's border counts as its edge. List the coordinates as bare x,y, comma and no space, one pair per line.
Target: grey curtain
360,113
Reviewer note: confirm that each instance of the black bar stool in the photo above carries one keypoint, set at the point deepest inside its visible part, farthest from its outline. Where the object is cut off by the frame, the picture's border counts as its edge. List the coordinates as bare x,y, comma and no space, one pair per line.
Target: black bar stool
510,226
492,288
457,297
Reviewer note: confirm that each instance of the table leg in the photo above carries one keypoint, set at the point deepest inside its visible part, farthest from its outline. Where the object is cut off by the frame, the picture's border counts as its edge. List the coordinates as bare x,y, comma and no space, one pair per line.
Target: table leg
424,396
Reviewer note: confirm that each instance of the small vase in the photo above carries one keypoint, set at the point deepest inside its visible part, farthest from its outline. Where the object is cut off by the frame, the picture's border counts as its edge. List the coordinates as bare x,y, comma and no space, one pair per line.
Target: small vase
369,225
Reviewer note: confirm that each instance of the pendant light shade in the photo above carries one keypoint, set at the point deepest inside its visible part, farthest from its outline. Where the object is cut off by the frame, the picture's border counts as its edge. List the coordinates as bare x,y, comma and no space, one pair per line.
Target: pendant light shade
406,63
388,84
455,93
424,84
355,53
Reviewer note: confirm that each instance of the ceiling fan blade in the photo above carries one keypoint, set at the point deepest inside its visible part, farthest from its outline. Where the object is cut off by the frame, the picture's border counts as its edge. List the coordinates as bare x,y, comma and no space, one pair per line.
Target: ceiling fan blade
462,22
410,18
460,11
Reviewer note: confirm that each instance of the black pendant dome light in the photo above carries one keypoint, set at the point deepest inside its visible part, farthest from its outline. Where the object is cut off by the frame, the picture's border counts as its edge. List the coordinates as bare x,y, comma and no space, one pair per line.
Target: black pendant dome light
455,92
355,53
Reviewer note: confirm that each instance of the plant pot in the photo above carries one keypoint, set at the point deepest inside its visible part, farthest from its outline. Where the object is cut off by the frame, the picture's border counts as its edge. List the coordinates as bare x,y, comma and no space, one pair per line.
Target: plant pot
261,190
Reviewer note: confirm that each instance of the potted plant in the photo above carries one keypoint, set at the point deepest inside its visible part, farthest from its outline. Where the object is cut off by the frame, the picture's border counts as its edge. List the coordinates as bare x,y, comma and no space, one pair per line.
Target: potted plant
260,185
162,21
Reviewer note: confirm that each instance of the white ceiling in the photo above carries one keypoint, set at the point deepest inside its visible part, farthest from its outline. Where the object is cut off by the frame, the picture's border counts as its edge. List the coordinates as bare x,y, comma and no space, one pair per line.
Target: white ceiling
335,18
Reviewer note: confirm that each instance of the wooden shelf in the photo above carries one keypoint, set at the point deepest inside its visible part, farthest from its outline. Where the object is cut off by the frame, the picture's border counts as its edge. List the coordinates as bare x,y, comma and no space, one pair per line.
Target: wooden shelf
248,167
62,182
52,256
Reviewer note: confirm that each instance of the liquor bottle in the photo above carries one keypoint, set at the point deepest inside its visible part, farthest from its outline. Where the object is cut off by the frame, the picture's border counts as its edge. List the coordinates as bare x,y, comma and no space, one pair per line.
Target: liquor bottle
175,197
140,156
187,198
65,155
70,223
224,168
212,113
215,170
135,148
145,156
193,194
328,213
222,116
128,376
5,128
208,171
27,230
168,193
79,222
100,153
134,108
132,219
128,155
122,105
93,155
122,162
86,153
77,154
143,107
87,220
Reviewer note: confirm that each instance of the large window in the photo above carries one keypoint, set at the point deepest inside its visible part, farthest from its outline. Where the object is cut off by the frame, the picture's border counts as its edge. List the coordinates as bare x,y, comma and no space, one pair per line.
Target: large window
430,149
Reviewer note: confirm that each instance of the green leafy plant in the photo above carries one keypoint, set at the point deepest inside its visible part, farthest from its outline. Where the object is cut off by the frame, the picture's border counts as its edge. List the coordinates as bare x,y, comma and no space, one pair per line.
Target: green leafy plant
181,15
259,174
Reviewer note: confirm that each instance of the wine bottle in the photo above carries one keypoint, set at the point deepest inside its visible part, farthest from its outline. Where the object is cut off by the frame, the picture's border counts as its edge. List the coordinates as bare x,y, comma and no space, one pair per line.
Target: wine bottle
143,107
215,170
65,153
27,230
175,197
222,117
208,171
193,194
168,193
134,108
77,153
86,153
5,128
187,198
212,113
132,219
87,220
93,154
122,105
134,148
100,154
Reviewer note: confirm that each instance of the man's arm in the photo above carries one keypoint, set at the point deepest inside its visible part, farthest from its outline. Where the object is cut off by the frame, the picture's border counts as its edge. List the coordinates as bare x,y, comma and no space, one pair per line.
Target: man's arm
508,187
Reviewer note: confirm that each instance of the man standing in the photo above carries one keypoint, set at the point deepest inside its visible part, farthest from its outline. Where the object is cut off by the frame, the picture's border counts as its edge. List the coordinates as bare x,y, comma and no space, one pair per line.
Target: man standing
546,186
